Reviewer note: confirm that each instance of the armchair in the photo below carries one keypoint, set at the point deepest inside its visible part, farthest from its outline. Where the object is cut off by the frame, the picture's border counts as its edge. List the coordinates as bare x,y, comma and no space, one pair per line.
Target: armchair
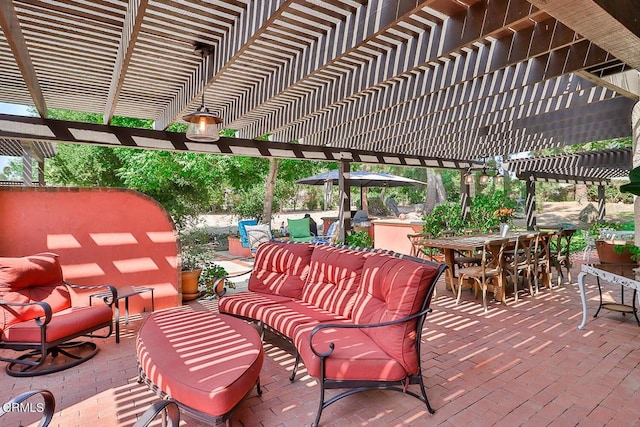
242,231
37,315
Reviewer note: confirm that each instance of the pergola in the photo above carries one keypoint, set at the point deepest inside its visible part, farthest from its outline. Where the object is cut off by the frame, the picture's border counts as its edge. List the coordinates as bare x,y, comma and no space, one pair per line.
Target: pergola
591,168
433,83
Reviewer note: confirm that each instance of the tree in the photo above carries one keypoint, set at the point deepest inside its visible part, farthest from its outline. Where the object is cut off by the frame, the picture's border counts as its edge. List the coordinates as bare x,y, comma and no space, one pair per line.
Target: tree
269,189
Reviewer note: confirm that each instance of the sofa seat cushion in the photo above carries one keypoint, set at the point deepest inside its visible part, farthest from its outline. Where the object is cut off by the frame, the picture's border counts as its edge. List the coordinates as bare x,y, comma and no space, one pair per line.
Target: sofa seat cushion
334,276
281,268
249,304
287,317
356,356
63,324
393,288
204,360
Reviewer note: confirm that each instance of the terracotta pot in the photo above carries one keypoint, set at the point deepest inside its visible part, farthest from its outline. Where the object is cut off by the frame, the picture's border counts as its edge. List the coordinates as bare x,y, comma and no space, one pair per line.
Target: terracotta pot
608,254
190,284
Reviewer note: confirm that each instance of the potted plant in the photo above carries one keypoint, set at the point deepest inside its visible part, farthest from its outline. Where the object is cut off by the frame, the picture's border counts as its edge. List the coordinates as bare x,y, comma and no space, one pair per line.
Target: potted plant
190,273
193,259
210,272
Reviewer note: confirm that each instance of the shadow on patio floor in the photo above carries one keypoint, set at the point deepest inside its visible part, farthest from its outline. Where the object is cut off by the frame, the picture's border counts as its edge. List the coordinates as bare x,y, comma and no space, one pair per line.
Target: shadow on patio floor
520,364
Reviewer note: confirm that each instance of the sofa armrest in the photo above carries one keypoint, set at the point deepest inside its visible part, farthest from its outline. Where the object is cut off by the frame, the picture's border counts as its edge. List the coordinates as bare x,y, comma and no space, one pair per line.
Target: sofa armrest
46,308
110,291
358,326
218,284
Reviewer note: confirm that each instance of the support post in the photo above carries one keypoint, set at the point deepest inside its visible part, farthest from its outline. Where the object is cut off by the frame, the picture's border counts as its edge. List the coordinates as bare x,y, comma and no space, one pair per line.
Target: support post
530,203
27,168
635,134
465,198
344,178
601,203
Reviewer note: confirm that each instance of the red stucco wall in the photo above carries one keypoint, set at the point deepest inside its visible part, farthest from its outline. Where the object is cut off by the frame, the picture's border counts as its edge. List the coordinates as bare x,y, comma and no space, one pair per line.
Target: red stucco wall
103,236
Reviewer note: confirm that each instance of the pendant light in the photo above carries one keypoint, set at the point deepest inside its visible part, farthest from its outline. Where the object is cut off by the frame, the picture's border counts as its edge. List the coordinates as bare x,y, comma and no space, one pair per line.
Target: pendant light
484,177
203,125
468,177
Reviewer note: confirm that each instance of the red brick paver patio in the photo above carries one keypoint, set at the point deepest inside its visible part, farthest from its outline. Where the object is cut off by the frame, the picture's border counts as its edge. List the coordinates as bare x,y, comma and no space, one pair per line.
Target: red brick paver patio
522,364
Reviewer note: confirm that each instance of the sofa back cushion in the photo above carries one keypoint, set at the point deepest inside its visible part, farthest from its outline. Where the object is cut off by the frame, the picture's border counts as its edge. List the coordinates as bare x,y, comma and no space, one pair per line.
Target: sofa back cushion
281,268
35,278
334,276
393,288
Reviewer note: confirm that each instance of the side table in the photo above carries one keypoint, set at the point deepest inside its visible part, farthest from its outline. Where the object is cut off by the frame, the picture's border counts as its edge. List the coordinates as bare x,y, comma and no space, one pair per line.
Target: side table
124,292
611,278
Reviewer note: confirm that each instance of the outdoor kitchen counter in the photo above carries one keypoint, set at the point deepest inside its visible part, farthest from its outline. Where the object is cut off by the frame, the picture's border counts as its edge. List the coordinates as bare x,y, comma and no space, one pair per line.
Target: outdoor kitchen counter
391,233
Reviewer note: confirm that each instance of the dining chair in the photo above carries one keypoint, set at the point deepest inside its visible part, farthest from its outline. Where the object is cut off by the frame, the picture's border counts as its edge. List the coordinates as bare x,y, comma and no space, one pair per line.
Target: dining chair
490,270
521,262
560,256
417,245
463,258
542,259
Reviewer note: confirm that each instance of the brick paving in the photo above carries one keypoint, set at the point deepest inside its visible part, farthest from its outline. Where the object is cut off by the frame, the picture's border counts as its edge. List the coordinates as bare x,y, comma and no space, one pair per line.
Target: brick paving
522,364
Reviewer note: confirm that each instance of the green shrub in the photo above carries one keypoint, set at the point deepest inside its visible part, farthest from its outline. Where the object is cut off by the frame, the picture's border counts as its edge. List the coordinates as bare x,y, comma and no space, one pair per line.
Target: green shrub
360,239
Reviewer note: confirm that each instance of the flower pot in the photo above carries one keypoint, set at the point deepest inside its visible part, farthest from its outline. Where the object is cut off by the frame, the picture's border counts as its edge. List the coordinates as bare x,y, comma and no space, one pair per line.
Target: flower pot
190,284
236,248
608,254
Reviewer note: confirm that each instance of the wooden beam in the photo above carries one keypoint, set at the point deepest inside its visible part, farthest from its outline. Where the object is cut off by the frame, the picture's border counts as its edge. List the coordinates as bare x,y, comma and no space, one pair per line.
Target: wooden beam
128,39
11,27
38,129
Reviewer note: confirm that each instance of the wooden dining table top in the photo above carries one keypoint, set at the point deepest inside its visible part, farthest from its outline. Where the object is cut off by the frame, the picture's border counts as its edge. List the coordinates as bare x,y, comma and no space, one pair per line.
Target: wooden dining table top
471,242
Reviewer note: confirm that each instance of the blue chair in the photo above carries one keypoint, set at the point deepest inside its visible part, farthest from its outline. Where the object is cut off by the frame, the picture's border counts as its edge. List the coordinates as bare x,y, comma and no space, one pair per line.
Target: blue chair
244,237
331,235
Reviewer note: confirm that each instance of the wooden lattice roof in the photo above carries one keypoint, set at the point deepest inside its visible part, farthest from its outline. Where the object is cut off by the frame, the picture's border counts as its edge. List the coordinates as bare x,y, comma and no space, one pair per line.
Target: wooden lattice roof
593,167
453,79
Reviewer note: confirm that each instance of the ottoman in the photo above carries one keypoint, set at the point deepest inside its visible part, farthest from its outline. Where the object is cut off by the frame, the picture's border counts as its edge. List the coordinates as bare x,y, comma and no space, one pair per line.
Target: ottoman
206,362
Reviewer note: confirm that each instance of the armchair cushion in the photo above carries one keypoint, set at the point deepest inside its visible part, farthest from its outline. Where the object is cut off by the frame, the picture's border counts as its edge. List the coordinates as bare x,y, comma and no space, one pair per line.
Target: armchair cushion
258,234
281,268
300,230
63,324
35,270
35,278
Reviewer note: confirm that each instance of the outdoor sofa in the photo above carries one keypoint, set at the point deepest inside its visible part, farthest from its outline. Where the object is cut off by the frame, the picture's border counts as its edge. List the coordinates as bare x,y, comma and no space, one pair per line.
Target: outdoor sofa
355,316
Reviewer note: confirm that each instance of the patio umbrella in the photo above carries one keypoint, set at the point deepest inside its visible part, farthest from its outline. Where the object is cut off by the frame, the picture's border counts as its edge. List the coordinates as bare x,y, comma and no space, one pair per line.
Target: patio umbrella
362,179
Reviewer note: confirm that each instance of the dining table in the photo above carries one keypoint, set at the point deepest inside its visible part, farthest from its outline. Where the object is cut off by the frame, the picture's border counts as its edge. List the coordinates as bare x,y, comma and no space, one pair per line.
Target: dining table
451,245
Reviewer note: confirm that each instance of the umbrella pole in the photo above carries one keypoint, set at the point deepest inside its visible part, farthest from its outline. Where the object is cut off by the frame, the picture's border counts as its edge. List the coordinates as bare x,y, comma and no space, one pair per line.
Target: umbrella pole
361,198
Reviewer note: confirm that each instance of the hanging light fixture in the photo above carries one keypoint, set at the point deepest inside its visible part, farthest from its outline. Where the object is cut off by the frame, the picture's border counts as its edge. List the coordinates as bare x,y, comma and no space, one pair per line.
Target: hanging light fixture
484,177
468,177
203,125
498,178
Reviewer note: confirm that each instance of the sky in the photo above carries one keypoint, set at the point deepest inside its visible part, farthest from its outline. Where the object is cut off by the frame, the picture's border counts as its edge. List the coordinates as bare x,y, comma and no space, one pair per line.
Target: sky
19,110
